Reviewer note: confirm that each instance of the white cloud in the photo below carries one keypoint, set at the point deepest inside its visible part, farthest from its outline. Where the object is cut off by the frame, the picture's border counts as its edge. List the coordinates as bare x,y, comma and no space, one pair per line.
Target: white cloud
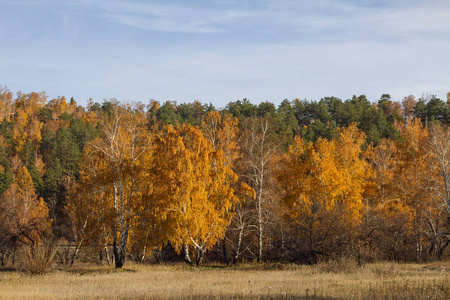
418,20
158,23
168,17
305,49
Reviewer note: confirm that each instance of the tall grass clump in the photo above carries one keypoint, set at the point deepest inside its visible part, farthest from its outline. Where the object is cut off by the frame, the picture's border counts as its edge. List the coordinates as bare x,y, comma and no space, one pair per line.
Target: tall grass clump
38,258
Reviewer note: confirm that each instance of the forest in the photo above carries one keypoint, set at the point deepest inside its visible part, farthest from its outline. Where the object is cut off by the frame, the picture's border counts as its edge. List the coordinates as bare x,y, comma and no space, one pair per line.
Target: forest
303,182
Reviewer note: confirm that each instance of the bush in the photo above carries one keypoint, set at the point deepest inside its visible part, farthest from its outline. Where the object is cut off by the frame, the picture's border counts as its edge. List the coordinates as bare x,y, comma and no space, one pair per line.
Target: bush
38,258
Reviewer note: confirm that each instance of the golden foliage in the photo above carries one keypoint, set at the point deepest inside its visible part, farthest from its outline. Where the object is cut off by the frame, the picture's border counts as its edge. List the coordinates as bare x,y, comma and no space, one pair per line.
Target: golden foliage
324,182
114,175
23,214
28,126
6,104
191,188
400,204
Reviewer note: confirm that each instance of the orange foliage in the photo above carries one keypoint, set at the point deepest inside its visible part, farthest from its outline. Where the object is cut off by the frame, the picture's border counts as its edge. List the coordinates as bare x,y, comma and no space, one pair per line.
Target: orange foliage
28,126
23,214
324,184
6,104
191,188
114,175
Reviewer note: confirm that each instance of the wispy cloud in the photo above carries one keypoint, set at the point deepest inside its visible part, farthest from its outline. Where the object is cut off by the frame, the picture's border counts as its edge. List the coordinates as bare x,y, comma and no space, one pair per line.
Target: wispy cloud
226,50
157,22
415,20
349,18
167,17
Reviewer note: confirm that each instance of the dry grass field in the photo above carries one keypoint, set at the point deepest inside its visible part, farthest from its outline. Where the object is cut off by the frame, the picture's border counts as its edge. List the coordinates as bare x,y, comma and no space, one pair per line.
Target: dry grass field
343,280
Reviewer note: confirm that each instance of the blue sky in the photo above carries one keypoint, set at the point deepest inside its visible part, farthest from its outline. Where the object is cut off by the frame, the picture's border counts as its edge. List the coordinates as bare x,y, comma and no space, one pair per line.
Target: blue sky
221,51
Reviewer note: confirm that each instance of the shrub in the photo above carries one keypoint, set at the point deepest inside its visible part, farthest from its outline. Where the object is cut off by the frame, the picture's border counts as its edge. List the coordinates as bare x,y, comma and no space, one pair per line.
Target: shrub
38,258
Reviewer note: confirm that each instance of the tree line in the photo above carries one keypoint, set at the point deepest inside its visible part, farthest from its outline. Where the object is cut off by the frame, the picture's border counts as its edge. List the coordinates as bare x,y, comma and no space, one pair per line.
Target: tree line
301,182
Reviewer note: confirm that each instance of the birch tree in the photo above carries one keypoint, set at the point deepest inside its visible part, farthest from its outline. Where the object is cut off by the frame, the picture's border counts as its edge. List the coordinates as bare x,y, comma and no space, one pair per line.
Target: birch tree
323,186
192,190
259,146
439,179
114,167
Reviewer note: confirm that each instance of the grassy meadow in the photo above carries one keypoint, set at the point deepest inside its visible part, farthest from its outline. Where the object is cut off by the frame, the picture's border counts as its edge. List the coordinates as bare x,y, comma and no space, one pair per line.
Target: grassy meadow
344,280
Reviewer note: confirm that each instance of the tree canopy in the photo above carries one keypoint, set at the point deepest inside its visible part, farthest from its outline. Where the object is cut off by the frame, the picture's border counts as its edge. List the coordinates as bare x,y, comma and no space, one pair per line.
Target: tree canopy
300,181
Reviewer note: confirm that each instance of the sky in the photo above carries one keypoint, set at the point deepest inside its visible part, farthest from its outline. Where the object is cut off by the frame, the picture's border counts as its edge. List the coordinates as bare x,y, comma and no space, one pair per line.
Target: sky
225,50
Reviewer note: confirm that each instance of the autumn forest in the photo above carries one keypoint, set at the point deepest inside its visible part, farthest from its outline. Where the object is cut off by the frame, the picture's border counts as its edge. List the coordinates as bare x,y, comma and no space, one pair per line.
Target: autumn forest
303,182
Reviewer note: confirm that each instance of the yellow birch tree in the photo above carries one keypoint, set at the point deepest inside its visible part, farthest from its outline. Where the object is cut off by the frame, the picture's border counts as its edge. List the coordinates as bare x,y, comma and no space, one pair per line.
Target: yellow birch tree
323,186
114,167
192,191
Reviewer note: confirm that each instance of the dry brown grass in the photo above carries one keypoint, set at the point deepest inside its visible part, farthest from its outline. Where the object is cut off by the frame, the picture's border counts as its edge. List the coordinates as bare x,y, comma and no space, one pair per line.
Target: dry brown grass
39,259
342,280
